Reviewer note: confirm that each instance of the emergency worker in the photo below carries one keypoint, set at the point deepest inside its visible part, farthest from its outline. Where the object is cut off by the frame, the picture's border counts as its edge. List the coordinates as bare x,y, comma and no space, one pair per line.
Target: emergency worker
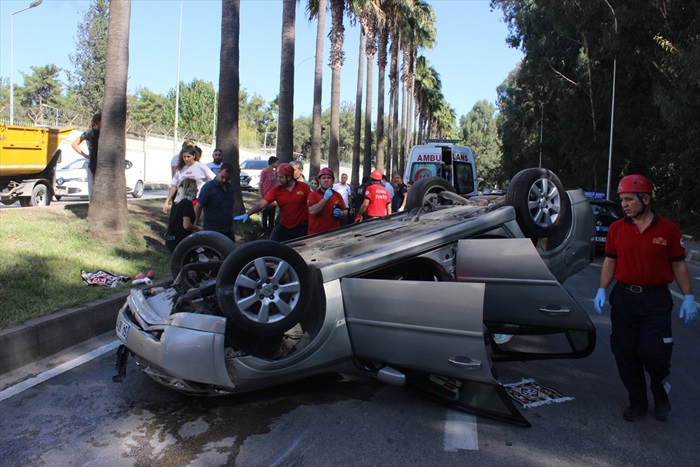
643,253
290,195
377,201
326,206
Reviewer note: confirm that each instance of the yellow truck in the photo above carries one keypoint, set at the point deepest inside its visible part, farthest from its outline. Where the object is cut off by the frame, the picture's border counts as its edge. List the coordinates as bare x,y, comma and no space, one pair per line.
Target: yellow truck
28,159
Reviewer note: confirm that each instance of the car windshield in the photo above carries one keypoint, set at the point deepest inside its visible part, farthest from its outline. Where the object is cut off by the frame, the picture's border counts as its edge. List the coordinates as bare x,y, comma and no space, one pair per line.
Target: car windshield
76,164
609,210
254,164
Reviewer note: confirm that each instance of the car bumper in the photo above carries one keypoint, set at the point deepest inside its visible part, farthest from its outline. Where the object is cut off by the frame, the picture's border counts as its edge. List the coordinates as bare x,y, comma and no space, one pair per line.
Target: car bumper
176,349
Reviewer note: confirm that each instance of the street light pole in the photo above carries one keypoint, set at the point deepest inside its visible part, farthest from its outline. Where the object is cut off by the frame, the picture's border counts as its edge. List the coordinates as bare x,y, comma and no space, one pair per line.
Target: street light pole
177,85
612,110
35,3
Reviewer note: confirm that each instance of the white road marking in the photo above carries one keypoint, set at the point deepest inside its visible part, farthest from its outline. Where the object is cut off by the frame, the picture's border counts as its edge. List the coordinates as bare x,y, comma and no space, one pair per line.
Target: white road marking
62,368
460,431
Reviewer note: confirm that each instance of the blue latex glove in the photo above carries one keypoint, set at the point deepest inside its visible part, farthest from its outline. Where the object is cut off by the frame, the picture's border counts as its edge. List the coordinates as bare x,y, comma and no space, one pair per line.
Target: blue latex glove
599,301
688,309
243,218
337,212
327,195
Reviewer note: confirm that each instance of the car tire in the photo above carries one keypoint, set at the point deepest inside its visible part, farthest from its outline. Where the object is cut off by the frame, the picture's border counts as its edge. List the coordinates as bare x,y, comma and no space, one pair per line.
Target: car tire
41,196
540,202
263,289
200,247
138,190
425,193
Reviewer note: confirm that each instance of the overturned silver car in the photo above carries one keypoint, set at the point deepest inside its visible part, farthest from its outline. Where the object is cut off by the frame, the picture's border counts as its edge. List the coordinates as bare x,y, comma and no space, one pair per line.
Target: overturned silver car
428,298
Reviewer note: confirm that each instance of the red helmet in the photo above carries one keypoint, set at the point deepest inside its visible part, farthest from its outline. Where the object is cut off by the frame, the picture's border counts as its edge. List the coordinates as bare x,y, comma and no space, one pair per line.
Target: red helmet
634,184
376,174
285,169
326,171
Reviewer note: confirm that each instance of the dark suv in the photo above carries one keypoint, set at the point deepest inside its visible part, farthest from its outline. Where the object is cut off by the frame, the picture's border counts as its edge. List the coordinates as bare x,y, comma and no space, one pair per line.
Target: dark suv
606,212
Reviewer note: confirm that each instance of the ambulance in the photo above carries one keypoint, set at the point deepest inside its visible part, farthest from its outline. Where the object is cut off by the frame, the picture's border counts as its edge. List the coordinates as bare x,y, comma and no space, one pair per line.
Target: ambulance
442,158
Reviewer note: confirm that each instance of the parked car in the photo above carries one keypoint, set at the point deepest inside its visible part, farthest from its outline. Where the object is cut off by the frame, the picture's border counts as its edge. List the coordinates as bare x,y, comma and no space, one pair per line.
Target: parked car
250,173
430,297
606,212
71,180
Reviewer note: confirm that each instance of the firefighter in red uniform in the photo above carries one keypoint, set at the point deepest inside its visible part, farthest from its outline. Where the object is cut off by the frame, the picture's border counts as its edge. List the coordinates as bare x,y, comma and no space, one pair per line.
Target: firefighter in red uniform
291,197
326,207
643,253
377,201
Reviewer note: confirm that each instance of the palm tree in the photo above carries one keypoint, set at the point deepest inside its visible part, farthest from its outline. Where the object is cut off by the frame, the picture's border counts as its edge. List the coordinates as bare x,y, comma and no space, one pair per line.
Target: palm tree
229,84
383,42
419,30
357,132
317,9
285,129
337,57
108,216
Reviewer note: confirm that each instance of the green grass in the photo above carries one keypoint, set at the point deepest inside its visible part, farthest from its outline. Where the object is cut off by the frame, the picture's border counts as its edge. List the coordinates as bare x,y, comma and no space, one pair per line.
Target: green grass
43,251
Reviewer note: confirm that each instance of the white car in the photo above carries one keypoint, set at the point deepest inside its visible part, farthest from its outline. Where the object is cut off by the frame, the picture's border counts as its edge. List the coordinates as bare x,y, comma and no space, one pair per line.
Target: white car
71,180
250,173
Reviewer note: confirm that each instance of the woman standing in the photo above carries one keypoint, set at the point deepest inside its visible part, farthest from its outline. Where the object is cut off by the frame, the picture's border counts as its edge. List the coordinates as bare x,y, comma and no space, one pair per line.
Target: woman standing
188,167
90,137
182,216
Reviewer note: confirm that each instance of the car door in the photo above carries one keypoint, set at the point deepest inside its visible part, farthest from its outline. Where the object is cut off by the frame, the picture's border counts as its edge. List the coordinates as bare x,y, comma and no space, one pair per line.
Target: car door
433,333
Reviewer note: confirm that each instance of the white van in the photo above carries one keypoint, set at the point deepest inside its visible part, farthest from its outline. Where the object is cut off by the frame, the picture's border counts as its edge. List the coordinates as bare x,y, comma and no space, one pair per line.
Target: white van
442,158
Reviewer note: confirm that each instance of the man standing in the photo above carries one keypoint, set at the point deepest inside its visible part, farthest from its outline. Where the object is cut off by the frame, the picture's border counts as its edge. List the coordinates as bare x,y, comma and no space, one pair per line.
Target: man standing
91,138
387,186
643,253
215,165
299,172
377,201
216,200
345,190
398,201
291,197
326,206
268,180
360,195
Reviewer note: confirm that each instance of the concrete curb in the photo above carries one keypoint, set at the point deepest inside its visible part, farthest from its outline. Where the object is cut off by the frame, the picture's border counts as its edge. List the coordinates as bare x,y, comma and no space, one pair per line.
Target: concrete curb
44,336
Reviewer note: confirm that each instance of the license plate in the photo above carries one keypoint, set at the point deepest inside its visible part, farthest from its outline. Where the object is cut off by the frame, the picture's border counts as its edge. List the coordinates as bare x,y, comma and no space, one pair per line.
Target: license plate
600,239
122,329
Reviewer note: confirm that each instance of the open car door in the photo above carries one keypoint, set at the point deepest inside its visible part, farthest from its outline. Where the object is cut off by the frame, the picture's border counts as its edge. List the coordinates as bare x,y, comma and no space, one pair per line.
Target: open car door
433,333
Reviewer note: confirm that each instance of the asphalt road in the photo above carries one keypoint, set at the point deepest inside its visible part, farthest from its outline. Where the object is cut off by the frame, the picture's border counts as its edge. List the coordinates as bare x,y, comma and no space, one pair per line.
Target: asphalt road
81,417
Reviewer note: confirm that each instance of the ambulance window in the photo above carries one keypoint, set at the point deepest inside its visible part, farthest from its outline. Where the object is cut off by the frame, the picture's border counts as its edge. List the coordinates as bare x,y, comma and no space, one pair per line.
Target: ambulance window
463,178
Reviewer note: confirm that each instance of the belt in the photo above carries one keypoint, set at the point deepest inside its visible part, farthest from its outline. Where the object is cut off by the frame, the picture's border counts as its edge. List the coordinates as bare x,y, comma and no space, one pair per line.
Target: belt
645,289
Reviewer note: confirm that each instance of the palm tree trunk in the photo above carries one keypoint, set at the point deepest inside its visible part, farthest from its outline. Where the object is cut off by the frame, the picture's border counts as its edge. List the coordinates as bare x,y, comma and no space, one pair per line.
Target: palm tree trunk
394,80
337,57
108,217
285,130
367,159
229,84
358,108
381,73
315,164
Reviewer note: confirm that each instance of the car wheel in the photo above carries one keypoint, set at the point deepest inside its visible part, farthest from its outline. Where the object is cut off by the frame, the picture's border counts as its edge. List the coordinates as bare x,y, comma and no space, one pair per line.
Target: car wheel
540,202
138,190
264,288
425,193
40,197
200,247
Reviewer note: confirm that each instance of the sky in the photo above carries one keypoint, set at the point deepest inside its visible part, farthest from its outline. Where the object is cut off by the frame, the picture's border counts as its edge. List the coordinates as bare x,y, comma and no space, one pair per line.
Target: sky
471,54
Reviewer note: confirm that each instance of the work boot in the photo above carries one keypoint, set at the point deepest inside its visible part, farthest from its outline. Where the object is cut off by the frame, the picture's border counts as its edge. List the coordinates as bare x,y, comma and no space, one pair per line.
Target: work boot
662,406
634,412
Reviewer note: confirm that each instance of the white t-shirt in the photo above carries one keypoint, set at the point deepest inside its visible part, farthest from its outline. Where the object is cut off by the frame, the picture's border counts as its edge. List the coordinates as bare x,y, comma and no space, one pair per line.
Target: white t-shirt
175,160
198,171
344,191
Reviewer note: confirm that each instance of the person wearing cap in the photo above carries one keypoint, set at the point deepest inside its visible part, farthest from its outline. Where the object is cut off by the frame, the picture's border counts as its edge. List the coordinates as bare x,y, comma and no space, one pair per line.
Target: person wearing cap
290,195
643,253
377,201
326,206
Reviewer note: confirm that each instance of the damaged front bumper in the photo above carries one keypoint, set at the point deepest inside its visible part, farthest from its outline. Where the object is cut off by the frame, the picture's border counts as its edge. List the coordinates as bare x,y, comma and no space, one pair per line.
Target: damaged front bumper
182,350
